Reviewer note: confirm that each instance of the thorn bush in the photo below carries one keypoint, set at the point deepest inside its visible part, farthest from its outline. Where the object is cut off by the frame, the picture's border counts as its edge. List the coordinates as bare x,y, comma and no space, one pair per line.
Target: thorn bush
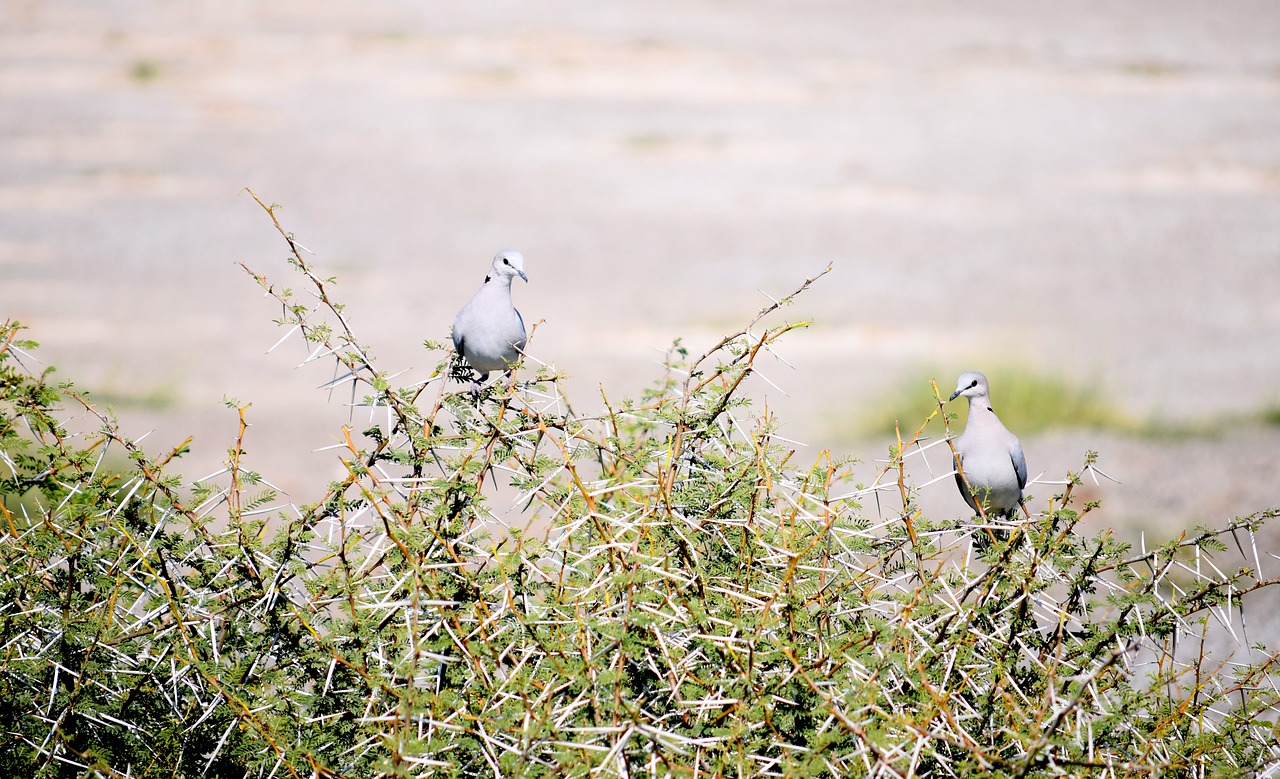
686,600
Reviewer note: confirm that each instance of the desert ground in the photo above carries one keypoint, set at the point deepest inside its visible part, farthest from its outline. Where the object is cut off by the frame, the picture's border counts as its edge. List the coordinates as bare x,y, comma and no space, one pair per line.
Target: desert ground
1090,189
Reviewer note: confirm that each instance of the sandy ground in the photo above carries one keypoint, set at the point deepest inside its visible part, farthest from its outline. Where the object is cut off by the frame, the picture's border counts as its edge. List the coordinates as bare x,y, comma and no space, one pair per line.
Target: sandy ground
1092,188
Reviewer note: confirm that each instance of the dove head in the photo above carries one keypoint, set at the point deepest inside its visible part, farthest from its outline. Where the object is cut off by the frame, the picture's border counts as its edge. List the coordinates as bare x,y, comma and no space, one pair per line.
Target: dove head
507,264
971,385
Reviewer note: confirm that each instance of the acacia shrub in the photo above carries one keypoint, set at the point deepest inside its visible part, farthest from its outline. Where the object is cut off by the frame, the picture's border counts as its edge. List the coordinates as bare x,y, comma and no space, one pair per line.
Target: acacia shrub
683,597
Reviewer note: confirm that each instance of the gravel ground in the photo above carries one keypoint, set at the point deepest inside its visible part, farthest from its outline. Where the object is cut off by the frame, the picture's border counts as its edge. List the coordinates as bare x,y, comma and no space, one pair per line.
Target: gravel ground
1092,188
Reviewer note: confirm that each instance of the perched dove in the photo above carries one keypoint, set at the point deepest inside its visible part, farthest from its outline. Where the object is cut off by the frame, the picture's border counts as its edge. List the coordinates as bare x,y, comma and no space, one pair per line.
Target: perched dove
988,454
488,332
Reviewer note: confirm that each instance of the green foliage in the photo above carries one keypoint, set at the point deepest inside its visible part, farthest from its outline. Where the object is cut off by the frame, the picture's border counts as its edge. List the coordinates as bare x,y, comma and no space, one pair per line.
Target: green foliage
686,600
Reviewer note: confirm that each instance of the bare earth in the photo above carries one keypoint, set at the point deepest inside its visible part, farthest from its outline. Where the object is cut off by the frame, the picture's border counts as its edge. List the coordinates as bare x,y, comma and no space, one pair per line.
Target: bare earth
1091,187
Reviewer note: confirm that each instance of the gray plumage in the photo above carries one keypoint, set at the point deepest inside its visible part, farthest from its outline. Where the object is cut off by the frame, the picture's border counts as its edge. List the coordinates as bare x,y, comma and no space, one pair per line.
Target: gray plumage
488,331
989,455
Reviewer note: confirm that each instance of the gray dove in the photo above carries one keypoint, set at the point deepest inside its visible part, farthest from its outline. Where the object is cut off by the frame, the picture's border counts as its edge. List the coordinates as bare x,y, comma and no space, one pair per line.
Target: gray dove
488,331
989,455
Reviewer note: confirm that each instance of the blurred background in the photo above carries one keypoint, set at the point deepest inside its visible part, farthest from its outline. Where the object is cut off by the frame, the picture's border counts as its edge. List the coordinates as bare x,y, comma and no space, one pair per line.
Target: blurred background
1082,201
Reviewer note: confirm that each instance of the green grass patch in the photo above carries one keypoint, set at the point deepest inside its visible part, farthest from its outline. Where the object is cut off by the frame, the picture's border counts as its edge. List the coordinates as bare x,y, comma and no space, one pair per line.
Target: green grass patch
145,71
1026,399
158,397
